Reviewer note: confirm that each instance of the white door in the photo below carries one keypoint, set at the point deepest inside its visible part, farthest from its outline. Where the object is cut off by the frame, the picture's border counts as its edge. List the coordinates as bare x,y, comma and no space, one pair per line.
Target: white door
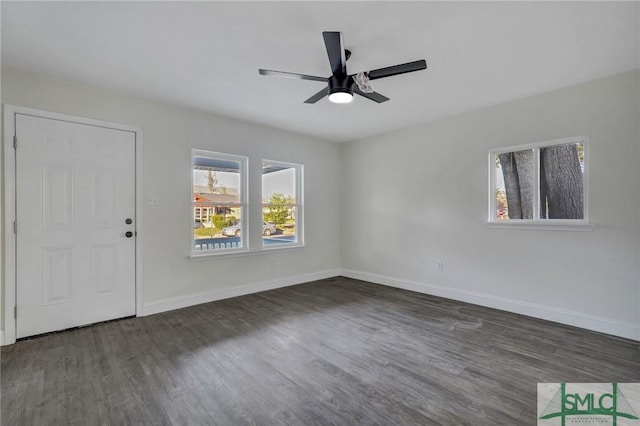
75,187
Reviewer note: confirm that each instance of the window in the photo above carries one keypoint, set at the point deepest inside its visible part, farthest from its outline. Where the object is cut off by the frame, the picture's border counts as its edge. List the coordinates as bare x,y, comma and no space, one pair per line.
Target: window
539,183
219,202
281,204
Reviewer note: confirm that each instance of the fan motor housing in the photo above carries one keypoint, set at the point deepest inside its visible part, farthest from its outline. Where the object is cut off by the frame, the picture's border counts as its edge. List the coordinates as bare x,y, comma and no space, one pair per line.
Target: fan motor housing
341,83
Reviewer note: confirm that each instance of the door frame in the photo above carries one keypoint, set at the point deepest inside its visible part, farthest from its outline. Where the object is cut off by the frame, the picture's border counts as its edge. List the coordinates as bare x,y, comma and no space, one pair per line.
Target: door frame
8,334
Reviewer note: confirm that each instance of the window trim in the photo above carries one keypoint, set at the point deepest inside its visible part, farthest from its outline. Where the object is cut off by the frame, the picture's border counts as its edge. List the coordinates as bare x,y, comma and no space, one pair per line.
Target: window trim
243,204
299,204
536,222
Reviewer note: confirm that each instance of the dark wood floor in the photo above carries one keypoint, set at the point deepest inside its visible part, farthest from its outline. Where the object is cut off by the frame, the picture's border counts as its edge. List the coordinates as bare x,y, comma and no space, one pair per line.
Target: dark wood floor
337,351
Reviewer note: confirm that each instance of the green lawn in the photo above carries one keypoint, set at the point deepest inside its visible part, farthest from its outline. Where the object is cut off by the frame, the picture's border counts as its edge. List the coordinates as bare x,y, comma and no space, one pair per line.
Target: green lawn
206,232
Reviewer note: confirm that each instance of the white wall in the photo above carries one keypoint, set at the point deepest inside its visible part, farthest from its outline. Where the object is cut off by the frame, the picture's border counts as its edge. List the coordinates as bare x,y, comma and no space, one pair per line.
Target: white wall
408,199
418,196
169,134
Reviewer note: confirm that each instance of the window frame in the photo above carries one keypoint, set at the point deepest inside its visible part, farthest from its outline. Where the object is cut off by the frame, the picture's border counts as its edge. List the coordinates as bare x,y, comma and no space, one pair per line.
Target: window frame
298,205
243,204
537,222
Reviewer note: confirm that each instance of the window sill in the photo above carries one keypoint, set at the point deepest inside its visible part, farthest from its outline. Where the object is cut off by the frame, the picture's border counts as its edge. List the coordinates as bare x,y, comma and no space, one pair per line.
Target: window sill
243,253
543,226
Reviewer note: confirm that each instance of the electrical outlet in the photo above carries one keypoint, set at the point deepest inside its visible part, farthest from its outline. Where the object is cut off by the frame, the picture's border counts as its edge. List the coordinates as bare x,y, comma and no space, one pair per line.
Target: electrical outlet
440,265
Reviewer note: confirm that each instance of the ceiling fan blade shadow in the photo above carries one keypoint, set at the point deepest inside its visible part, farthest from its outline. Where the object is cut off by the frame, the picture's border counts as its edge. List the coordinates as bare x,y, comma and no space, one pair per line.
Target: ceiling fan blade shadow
374,96
315,98
398,69
335,51
291,75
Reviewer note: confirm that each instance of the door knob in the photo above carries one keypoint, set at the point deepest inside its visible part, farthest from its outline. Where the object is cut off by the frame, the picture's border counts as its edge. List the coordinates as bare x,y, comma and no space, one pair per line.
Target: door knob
128,234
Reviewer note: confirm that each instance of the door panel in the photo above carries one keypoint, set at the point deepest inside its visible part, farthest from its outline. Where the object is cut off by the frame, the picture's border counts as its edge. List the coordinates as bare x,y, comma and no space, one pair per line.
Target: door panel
75,189
57,275
57,182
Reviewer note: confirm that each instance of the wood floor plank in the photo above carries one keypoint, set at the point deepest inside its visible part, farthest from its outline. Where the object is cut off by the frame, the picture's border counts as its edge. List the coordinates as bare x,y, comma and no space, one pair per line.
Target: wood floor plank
331,352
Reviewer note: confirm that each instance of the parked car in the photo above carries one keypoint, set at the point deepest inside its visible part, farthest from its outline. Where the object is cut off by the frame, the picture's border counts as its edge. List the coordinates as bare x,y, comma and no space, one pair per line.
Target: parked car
197,224
268,229
235,230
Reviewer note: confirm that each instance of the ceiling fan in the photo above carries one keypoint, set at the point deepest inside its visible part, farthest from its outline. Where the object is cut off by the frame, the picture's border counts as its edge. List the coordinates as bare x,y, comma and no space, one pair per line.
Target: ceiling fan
340,85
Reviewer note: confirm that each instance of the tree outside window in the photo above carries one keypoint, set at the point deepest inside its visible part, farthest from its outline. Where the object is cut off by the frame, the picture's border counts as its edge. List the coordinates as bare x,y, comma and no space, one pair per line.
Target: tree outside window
540,182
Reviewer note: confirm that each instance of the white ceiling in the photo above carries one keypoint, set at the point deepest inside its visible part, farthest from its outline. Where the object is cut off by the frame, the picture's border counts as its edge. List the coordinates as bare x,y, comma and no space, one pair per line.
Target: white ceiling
206,55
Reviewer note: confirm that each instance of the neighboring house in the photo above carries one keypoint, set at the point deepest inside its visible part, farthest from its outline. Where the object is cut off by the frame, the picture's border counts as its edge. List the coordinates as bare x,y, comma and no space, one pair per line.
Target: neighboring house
206,205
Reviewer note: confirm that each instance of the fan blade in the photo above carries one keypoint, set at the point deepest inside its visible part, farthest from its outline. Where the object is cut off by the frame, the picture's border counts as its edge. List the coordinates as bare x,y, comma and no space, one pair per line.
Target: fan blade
335,51
398,69
375,96
315,98
292,75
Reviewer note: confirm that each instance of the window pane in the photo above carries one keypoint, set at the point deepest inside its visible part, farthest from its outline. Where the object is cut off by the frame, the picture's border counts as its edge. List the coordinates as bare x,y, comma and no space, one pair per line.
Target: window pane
279,199
279,225
562,181
515,185
278,183
220,228
217,201
217,177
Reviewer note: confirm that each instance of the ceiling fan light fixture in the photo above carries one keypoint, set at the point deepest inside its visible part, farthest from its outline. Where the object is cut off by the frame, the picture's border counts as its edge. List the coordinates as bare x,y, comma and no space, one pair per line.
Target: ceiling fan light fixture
341,89
341,97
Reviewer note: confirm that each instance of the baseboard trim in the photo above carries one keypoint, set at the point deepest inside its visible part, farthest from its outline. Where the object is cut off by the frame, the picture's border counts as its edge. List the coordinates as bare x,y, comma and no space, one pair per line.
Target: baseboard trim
577,319
170,304
1,337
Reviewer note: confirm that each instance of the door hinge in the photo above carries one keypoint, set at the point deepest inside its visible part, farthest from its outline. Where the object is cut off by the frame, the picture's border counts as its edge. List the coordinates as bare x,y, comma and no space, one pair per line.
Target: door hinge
15,226
15,311
15,142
